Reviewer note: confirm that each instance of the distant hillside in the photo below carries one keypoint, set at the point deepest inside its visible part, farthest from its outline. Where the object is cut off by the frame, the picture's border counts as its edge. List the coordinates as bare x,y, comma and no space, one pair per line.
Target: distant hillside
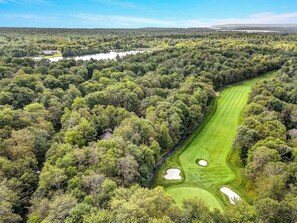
284,28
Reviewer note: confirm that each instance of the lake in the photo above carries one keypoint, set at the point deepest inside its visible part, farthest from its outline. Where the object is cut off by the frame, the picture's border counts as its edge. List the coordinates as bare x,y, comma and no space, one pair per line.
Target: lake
99,56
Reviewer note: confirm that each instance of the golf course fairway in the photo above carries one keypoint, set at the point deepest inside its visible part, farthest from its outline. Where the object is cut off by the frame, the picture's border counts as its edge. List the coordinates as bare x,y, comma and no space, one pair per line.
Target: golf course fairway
211,142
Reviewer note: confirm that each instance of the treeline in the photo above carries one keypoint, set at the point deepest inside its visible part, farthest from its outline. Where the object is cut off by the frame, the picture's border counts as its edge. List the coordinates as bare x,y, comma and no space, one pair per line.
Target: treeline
268,143
57,165
25,42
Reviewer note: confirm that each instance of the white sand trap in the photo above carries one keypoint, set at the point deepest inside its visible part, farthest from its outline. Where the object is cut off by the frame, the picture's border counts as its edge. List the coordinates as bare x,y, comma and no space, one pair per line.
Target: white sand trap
202,163
173,174
231,194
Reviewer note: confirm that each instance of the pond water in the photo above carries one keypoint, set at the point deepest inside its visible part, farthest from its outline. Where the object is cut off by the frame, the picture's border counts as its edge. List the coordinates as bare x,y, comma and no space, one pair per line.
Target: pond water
99,56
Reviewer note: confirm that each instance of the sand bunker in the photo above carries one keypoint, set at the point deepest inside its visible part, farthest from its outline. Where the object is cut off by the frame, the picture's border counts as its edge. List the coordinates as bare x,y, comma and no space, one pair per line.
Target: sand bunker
202,163
231,194
173,174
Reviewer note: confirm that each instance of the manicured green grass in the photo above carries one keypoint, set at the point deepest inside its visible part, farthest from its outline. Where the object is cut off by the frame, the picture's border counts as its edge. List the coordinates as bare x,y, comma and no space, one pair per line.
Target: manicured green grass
181,193
53,56
212,142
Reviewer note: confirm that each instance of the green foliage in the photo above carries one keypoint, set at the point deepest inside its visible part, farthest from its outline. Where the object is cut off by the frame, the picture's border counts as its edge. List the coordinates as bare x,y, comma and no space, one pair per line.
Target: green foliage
73,132
8,201
164,138
142,205
241,212
196,210
76,214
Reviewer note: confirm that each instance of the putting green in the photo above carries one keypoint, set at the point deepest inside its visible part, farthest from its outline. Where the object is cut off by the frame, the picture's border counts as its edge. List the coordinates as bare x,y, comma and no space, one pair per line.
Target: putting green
181,193
213,143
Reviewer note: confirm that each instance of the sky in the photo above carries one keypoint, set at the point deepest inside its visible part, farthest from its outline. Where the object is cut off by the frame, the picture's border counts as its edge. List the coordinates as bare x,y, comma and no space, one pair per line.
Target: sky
144,13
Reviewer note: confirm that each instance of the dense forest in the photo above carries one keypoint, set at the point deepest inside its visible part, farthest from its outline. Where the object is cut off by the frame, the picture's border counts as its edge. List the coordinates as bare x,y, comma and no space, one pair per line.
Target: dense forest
80,139
18,42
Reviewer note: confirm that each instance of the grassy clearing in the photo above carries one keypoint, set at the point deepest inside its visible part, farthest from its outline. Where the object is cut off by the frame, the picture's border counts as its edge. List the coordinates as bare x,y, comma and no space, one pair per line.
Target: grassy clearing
53,56
212,142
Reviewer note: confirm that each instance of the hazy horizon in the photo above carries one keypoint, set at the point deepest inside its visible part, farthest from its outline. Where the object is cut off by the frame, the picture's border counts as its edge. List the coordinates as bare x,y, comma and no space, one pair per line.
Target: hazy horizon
155,27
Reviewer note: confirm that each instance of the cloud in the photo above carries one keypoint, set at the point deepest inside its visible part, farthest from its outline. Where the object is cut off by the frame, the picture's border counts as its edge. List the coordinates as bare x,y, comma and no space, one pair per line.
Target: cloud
123,4
130,21
26,16
8,1
259,18
263,18
25,2
121,21
276,18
